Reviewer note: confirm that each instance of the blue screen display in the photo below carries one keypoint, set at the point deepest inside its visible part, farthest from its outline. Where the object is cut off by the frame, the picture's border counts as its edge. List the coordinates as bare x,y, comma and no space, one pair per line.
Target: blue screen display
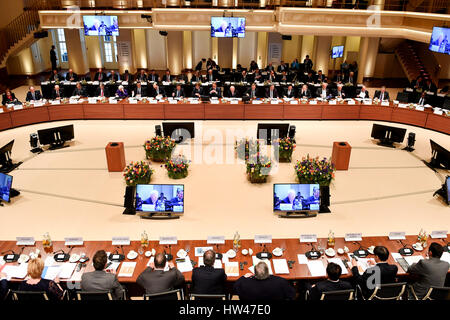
101,25
448,190
296,197
160,198
5,186
337,52
440,40
226,27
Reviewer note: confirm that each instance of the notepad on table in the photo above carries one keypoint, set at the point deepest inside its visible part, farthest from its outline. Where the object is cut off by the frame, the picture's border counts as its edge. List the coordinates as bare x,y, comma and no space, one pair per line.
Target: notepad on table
127,269
185,266
280,266
232,269
302,259
316,268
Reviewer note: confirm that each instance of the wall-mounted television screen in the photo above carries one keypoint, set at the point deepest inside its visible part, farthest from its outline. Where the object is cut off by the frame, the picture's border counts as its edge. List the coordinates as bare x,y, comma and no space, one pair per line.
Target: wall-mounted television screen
440,40
296,197
227,27
101,25
5,187
155,198
337,52
447,184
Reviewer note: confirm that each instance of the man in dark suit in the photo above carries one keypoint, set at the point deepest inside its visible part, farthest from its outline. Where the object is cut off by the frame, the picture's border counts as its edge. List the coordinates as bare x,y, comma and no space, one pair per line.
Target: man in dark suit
155,280
232,93
304,92
380,273
55,76
423,99
79,91
178,92
382,95
141,76
338,77
167,77
8,97
363,93
323,92
272,93
71,76
309,78
270,67
215,91
283,67
100,75
201,65
3,285
100,280
101,91
197,91
57,93
244,77
339,93
53,57
210,76
196,77
351,79
284,77
263,286
320,77
289,92
153,76
33,94
315,198
206,279
127,77
431,272
272,77
139,91
252,92
308,63
113,76
430,86
258,76
157,90
331,284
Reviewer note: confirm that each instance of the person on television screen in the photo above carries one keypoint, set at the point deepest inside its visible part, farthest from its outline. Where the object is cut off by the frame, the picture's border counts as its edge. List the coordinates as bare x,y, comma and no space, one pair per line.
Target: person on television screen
223,27
315,198
292,199
139,202
241,28
179,199
153,198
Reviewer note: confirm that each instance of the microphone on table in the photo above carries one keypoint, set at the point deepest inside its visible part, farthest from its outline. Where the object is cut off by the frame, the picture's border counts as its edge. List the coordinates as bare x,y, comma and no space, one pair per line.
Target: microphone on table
360,252
116,256
13,257
313,254
405,251
169,255
61,256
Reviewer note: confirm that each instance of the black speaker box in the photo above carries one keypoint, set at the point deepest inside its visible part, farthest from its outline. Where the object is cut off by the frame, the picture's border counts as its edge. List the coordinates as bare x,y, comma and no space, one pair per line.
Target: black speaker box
158,130
291,133
129,200
286,37
41,34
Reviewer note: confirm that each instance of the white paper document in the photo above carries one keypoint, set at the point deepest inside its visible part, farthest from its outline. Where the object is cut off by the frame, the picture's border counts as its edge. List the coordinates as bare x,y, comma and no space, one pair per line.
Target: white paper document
67,270
445,257
185,266
51,272
280,266
413,259
316,268
16,271
127,269
302,259
232,269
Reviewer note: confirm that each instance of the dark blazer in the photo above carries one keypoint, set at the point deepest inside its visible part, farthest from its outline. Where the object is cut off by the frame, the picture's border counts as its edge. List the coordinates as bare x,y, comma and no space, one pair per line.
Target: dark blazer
306,94
196,91
156,281
347,80
432,272
274,94
432,87
43,285
153,77
97,76
116,77
319,92
55,77
79,92
127,77
327,285
309,79
210,77
388,273
141,77
181,94
289,94
143,91
269,68
272,288
3,289
378,95
98,92
98,281
424,102
167,78
37,95
53,56
195,79
5,100
217,94
235,95
207,280
74,76
336,94
161,92
366,96
249,93
319,78
247,78
61,93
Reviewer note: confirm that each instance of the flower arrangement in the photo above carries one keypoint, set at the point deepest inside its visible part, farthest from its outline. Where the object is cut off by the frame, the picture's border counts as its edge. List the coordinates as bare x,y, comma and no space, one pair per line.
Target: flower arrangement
315,170
283,149
177,167
246,148
258,168
138,172
159,148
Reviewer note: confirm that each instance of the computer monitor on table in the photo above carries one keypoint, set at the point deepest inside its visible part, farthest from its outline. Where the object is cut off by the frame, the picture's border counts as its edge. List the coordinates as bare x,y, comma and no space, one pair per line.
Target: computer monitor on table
388,135
272,131
159,199
291,198
440,157
5,158
56,137
179,131
5,187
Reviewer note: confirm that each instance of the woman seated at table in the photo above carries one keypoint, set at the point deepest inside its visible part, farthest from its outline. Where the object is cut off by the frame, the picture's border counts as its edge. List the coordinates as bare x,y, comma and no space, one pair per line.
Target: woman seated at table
8,97
121,92
35,282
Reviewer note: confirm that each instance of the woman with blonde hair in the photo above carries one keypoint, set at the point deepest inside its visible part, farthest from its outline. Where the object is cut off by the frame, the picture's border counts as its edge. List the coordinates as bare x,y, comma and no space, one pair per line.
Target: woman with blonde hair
35,282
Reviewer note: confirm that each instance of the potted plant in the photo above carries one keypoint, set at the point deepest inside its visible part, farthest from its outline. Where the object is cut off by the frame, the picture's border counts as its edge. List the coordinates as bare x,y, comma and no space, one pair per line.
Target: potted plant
315,171
246,147
177,167
159,148
138,172
258,168
283,149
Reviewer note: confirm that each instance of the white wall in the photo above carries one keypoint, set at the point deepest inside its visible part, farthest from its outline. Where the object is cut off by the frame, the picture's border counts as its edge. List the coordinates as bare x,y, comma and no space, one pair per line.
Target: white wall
247,49
156,50
201,46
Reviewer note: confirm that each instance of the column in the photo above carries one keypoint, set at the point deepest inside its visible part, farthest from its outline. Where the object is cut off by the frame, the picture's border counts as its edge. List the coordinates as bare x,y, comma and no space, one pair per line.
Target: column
292,48
368,60
363,49
215,50
247,48
156,50
322,54
76,51
187,50
307,48
140,49
261,51
201,46
175,51
124,51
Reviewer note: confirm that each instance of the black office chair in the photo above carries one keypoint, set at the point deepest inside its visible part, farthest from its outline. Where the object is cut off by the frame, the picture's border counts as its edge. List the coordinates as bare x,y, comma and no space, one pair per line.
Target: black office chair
403,97
94,296
195,296
168,295
340,295
29,295
438,293
391,291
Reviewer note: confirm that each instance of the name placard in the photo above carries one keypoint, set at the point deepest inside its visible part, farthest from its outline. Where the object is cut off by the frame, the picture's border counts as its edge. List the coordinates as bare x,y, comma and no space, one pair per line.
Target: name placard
234,102
353,236
263,238
152,101
439,234
420,108
120,241
25,241
168,240
18,107
274,102
216,240
173,101
293,102
397,236
438,112
385,103
73,241
308,238
215,101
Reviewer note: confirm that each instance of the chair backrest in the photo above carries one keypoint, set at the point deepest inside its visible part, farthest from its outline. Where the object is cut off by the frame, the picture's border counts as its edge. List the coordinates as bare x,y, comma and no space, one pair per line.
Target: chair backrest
403,97
29,295
94,296
194,296
438,293
391,291
338,295
167,295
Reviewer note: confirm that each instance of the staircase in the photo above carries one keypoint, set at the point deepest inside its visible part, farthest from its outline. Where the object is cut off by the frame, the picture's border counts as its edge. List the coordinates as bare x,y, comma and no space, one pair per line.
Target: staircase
410,61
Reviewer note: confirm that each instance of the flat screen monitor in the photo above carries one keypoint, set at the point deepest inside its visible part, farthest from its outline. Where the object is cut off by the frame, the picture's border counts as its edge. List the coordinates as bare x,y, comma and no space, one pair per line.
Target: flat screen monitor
160,198
5,153
56,135
179,131
101,25
337,52
387,134
5,186
272,131
440,157
227,27
296,197
447,186
440,40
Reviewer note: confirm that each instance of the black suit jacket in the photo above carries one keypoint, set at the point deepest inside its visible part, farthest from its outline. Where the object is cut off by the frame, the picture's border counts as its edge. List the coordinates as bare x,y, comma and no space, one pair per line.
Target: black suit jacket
366,96
210,77
289,95
327,285
129,79
319,92
208,280
196,79
306,94
3,289
336,94
74,76
196,91
98,92
161,92
97,76
274,94
388,273
5,99
249,93
235,95
143,91
116,77
141,77
272,288
378,95
156,281
154,77
55,77
167,78
425,100
347,80
79,92
37,95
217,94
61,93
174,93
